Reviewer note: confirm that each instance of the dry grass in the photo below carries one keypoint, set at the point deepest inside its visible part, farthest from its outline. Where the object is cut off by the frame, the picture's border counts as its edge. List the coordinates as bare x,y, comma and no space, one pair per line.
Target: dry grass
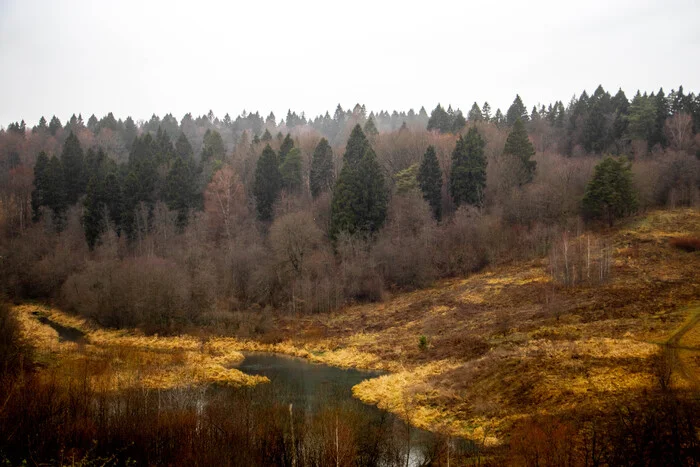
503,345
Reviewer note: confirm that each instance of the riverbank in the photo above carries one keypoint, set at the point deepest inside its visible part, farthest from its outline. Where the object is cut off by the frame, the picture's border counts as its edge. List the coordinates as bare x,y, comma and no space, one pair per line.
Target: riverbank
499,347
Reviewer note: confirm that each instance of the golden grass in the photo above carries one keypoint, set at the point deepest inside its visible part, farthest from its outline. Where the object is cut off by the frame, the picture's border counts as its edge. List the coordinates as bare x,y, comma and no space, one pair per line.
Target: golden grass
129,359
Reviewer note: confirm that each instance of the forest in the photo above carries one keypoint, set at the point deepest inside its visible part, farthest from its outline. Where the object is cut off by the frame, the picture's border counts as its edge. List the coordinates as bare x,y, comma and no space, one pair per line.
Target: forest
208,216
230,226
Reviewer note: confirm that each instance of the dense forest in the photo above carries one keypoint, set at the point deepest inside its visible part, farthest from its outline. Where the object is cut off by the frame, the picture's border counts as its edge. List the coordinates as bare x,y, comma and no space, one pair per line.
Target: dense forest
165,223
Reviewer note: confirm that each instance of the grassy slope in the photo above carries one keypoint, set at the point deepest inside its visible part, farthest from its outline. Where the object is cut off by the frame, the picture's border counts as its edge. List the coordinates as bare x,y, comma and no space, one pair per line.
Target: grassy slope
474,380
502,345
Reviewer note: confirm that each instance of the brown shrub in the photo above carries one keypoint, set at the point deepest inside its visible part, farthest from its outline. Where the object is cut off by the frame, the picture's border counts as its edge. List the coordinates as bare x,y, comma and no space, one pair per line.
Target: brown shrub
688,244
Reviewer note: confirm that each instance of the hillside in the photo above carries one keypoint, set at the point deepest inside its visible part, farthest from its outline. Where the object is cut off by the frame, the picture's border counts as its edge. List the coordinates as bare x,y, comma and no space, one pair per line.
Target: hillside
501,346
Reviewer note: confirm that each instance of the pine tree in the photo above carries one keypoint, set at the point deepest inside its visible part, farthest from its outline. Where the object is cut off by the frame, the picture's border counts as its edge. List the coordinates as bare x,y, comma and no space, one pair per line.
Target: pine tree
430,181
93,214
183,148
519,146
113,199
360,198
475,114
458,122
356,146
468,174
285,147
321,175
55,193
439,120
266,137
516,111
72,160
610,193
371,128
39,194
498,118
486,111
181,192
54,125
213,146
290,170
267,183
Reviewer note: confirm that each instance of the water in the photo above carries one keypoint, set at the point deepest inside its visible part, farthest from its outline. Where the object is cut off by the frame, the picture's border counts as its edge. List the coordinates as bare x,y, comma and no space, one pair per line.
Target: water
65,333
312,388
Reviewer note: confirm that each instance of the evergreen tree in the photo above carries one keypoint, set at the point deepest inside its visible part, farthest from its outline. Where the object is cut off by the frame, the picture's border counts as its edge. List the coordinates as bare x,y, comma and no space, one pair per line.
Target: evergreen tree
183,148
55,192
439,120
516,111
430,181
267,183
475,114
406,180
321,175
54,125
266,137
663,111
285,147
356,146
213,146
93,214
72,160
458,122
519,146
39,197
290,169
498,118
486,111
610,193
181,192
360,198
468,175
164,150
113,198
642,118
371,128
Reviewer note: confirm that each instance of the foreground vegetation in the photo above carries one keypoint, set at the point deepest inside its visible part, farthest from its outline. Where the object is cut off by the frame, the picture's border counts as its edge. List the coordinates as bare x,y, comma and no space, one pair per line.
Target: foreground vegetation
534,364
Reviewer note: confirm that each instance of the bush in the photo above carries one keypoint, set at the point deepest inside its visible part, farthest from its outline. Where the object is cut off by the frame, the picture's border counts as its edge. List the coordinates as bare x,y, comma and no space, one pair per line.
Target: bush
688,244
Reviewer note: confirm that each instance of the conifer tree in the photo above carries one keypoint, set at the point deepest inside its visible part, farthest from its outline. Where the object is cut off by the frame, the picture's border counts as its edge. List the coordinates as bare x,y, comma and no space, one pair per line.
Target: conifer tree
54,125
610,193
371,128
519,146
267,183
468,174
285,147
430,181
439,120
93,214
39,197
360,198
73,162
475,114
356,146
183,148
290,169
458,122
321,174
486,111
266,137
181,192
55,191
516,111
213,146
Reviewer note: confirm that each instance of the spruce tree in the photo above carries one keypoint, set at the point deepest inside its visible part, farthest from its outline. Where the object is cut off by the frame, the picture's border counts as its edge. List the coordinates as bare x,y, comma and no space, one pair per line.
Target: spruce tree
475,114
290,170
430,181
518,146
267,183
73,162
183,148
516,111
458,122
267,136
321,175
54,125
439,120
181,192
39,194
610,193
371,128
213,146
360,198
486,111
93,214
468,174
55,193
285,147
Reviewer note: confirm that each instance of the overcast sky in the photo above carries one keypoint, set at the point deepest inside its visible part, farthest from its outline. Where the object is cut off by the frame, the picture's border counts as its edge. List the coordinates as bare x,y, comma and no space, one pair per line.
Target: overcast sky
142,57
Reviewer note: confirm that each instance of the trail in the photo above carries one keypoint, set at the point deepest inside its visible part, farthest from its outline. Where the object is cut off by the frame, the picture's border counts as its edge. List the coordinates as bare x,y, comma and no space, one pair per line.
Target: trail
673,345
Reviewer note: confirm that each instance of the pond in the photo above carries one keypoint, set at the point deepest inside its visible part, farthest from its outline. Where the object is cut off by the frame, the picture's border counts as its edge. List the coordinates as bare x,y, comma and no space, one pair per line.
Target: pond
65,333
314,388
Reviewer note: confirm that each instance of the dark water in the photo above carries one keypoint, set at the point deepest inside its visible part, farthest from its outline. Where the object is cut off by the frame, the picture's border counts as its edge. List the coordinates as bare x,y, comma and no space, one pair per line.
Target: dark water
65,333
312,388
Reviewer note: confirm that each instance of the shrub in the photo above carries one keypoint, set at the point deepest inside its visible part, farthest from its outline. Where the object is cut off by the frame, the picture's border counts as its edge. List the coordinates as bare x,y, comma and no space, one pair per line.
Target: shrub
688,244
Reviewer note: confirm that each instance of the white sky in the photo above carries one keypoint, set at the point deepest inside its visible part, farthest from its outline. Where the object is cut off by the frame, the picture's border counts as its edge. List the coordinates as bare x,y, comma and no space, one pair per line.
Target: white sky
142,57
